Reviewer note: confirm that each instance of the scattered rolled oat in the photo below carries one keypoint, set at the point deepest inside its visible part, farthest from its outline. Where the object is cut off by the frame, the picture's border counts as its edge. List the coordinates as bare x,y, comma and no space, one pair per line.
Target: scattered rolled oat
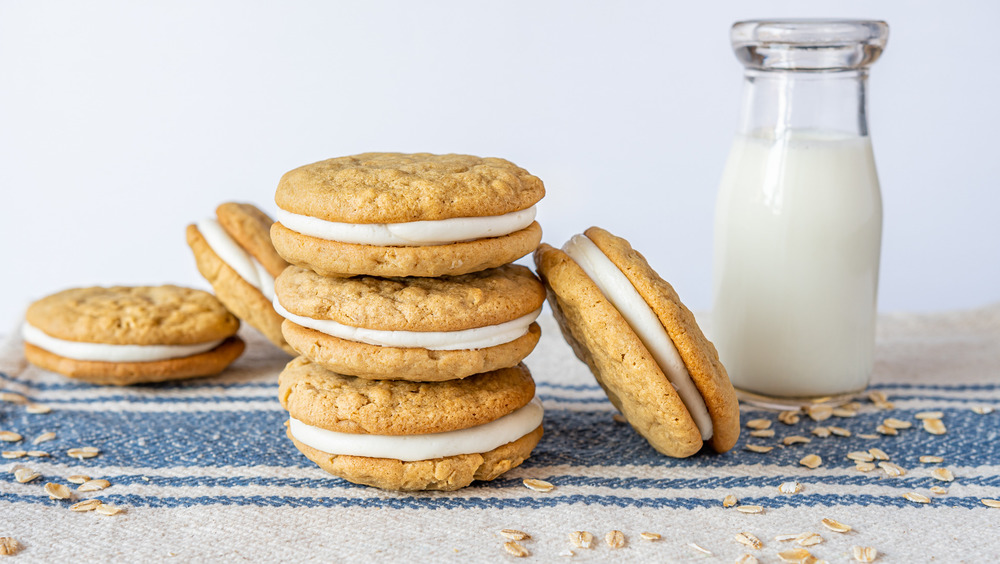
797,555
538,485
811,461
887,430
57,491
892,470
864,553
650,536
13,454
929,459
868,436
983,409
859,456
935,426
790,488
699,549
749,540
25,475
619,418
917,498
581,539
819,412
836,526
12,397
105,509
38,454
511,547
786,538
85,505
876,396
789,417
615,539
512,534
566,552
886,406
37,408
762,433
864,466
10,436
759,448
78,478
758,424
821,432
840,431
750,509
746,559
809,539
9,546
729,500
929,415
83,452
844,412
851,405
995,503
939,490
44,437
896,423
794,440
943,474
878,453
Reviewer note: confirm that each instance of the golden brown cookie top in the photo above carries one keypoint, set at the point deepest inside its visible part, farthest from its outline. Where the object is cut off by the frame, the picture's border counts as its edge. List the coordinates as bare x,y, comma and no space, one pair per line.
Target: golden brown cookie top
346,404
448,303
133,315
399,188
251,229
698,353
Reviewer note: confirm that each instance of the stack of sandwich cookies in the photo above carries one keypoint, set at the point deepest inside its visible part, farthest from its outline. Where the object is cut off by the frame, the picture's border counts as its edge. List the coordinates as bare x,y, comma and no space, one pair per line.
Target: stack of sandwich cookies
235,254
131,335
390,214
409,318
419,329
402,435
642,345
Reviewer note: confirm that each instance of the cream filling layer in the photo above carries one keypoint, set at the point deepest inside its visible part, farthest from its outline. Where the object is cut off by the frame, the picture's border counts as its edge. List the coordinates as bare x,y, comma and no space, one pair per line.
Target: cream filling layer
104,352
231,253
466,339
619,291
410,234
409,448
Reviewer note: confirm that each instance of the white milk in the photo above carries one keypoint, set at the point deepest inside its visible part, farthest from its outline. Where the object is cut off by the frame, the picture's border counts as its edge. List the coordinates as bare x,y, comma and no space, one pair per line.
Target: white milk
798,229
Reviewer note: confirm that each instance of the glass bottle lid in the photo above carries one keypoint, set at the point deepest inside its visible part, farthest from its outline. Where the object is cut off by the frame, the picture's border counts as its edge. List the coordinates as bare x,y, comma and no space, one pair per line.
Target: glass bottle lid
808,45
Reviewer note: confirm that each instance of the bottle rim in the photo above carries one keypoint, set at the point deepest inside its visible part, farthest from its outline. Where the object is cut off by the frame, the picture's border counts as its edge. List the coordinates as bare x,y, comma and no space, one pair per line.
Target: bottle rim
808,44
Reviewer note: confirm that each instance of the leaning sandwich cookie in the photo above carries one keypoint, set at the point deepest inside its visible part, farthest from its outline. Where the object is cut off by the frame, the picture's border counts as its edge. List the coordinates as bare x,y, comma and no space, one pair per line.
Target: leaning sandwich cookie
394,214
234,253
130,335
401,435
642,344
418,329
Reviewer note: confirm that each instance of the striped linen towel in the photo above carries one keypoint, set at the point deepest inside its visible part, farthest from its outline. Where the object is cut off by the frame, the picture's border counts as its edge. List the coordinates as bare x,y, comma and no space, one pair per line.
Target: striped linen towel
204,471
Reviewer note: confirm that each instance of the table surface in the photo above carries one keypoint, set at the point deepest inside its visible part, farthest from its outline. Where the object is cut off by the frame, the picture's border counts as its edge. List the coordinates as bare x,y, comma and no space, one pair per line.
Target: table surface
204,471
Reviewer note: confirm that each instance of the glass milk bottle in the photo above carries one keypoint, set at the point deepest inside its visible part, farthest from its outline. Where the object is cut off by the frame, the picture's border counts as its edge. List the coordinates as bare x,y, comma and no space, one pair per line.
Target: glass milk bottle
798,223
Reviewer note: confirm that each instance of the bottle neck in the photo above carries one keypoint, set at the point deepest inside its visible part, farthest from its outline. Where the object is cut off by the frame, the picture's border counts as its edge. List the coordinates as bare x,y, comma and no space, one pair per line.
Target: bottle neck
777,101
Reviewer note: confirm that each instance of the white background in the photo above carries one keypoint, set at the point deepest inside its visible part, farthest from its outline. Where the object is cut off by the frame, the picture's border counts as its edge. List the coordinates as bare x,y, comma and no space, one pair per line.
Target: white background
121,122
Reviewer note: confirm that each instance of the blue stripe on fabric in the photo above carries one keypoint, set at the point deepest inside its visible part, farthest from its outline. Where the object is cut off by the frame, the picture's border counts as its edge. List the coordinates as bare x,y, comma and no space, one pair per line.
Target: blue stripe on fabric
439,501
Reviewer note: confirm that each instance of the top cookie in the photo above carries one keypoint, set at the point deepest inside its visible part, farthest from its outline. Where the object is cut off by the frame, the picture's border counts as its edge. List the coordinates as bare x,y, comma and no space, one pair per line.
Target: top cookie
399,188
133,315
251,229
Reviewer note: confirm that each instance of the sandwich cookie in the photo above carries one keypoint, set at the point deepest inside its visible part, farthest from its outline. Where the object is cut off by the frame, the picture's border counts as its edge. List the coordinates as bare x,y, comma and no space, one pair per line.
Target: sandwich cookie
392,214
131,335
235,254
411,436
419,329
641,343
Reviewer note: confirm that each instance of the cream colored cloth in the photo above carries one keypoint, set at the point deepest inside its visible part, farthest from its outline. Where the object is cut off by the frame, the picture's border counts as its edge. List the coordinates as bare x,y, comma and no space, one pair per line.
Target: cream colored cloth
204,471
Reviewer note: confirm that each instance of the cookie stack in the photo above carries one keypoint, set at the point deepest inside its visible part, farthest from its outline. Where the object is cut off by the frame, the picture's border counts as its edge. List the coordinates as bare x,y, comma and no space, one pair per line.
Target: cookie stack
410,320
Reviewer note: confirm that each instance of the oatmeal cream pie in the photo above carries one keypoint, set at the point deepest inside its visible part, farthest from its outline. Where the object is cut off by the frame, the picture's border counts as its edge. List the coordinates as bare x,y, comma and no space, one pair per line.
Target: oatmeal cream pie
131,335
641,343
399,435
393,214
234,253
420,329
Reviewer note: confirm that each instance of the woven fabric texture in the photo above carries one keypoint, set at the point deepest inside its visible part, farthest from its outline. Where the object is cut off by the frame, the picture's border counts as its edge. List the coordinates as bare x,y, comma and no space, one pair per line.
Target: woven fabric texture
204,471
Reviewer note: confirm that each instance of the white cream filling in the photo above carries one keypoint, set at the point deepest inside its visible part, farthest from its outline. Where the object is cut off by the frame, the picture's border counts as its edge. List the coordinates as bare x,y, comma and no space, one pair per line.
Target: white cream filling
619,291
231,253
466,339
410,234
110,353
408,448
